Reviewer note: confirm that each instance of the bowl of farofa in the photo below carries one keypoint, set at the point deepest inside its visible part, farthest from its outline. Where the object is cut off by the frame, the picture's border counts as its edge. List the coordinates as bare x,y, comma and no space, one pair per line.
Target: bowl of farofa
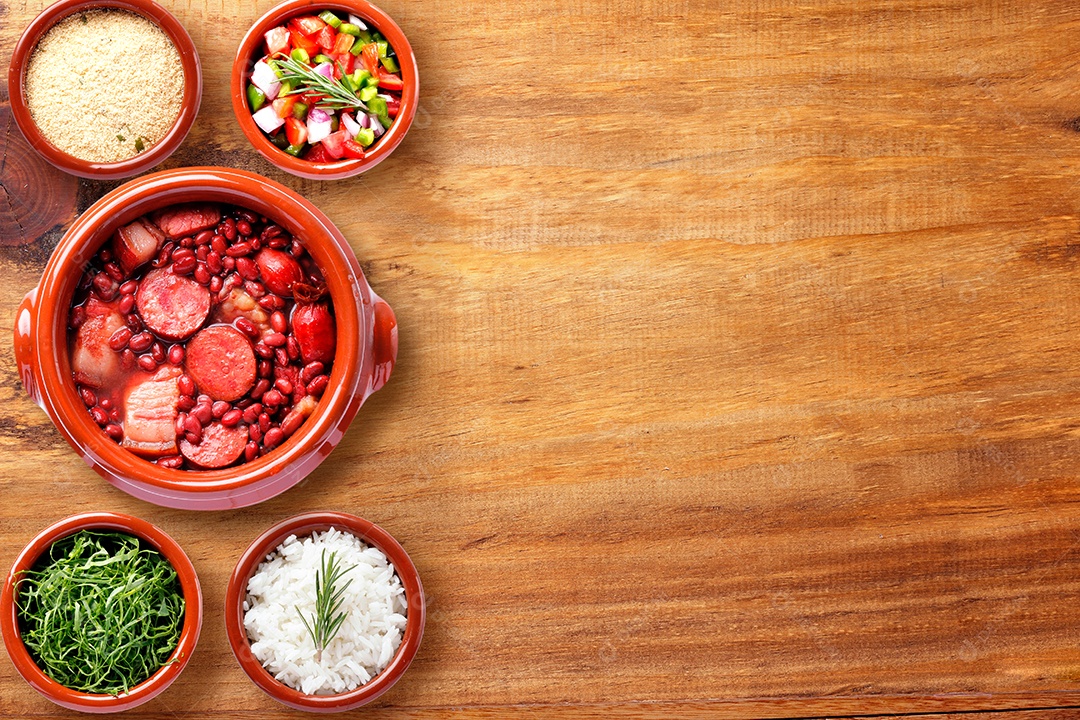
93,648
105,88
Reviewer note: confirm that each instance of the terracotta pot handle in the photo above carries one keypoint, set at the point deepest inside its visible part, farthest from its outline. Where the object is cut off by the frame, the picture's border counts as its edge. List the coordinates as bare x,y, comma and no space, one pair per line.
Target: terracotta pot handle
25,322
384,347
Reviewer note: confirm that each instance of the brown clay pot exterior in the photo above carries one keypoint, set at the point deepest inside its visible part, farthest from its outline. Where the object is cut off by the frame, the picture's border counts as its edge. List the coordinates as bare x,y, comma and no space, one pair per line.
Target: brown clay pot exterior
365,355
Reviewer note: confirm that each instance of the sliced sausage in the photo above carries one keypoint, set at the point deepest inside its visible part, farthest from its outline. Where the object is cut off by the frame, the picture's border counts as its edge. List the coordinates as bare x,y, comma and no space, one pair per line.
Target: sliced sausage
136,244
150,409
222,363
173,306
92,360
220,446
178,221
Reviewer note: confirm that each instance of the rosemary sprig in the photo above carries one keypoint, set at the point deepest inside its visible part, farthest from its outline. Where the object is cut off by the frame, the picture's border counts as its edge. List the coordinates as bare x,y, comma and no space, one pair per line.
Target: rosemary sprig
338,97
328,616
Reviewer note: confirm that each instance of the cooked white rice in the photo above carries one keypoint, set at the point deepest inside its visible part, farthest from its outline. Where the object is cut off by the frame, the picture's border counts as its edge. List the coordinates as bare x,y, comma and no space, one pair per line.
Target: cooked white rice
366,641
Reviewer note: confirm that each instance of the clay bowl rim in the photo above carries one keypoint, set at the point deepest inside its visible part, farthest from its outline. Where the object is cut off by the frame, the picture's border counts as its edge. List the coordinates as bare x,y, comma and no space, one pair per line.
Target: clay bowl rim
156,683
349,291
302,525
250,51
189,105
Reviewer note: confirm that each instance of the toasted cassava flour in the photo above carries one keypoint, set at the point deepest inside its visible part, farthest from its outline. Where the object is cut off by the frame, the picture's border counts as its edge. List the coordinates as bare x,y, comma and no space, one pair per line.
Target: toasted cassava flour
104,85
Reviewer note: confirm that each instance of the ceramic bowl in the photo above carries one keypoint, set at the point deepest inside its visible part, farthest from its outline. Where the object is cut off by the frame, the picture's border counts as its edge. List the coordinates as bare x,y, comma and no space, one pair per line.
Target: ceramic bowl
365,355
252,48
189,107
302,525
156,683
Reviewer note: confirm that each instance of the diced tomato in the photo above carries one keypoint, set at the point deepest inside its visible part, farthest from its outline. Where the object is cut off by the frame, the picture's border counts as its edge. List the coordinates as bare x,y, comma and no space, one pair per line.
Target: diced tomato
318,154
312,98
342,44
334,143
343,64
393,105
277,40
299,41
388,81
283,106
370,55
325,38
307,25
295,131
353,149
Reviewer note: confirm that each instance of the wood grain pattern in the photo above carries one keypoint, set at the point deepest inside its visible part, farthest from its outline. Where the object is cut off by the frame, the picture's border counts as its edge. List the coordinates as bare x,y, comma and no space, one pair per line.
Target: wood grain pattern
738,371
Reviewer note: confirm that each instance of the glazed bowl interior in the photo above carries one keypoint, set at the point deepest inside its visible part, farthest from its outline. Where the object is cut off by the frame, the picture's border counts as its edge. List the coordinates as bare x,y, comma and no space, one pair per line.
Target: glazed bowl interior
156,683
189,106
301,526
252,48
322,241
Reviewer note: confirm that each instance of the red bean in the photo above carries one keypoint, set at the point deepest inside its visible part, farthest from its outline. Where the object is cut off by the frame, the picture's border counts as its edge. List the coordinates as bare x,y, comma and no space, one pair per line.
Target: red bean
256,243
103,284
88,397
296,249
291,423
229,229
114,431
247,268
278,321
271,302
204,399
270,231
273,438
228,264
78,317
254,289
266,368
133,321
238,249
264,422
251,414
255,433
127,304
219,408
176,354
186,385
243,227
251,451
129,287
215,284
114,415
263,350
204,237
292,347
232,418
213,262
99,416
184,265
119,339
157,351
281,357
284,386
272,398
105,403
202,252
192,424
318,385
204,413
127,359
202,274
274,339
146,362
105,254
114,271
310,370
174,462
277,243
193,438
260,387
181,420
218,244
141,342
247,327
185,403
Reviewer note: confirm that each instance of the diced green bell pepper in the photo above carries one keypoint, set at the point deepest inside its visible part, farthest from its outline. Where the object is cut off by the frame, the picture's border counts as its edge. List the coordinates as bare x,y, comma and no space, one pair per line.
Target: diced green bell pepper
390,64
383,46
368,93
365,137
330,19
320,59
376,105
350,29
256,97
301,55
295,150
299,110
280,140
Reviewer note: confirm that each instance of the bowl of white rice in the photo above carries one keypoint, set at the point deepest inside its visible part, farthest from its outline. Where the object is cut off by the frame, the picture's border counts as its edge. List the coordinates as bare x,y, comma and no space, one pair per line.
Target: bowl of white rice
325,611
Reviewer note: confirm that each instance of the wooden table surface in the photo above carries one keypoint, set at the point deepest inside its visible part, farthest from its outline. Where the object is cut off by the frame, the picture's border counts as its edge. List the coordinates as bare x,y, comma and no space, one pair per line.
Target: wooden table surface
739,368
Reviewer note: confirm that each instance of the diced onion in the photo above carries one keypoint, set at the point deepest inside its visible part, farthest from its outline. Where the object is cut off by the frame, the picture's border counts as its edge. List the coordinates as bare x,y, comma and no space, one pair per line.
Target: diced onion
357,22
326,70
363,120
350,125
267,119
317,131
375,125
318,115
264,78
